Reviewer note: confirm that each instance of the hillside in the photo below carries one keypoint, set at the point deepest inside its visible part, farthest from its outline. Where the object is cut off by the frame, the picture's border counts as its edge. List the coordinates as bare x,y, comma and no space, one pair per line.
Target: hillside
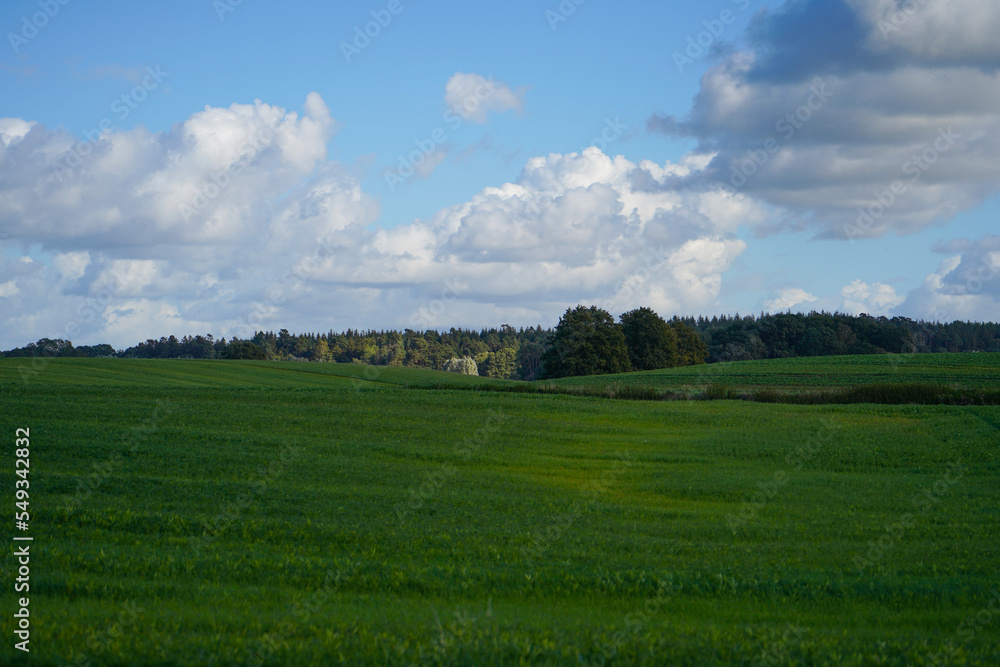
219,374
979,370
285,514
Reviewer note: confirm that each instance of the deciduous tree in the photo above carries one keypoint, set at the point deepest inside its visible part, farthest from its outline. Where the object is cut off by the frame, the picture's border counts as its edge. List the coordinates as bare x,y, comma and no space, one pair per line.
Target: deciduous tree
651,342
586,342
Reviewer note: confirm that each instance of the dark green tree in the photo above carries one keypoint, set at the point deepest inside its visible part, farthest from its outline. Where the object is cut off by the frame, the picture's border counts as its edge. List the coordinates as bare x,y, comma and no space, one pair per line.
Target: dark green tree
586,342
651,342
244,349
691,349
529,360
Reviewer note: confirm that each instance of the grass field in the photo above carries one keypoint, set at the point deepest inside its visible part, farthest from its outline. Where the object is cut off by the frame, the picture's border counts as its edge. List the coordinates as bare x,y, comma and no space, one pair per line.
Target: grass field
805,373
221,513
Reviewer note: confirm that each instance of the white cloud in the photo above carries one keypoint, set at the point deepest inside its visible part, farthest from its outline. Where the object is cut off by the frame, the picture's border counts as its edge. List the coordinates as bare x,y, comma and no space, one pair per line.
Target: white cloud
875,299
978,268
571,228
112,217
13,130
473,96
432,162
966,286
787,298
71,265
8,289
137,320
284,242
208,179
927,31
827,117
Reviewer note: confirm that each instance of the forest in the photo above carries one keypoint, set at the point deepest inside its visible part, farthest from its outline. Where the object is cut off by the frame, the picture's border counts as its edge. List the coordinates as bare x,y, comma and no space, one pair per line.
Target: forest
586,341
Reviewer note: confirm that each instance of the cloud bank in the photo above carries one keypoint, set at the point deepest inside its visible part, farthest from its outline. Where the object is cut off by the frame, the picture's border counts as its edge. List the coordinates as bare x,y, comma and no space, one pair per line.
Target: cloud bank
850,118
235,220
857,118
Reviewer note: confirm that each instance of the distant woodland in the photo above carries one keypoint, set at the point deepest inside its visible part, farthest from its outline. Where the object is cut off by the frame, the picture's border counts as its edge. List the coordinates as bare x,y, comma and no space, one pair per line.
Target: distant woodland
587,341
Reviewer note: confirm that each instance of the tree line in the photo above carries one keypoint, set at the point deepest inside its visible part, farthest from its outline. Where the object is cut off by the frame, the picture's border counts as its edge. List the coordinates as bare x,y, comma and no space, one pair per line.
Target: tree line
736,338
587,340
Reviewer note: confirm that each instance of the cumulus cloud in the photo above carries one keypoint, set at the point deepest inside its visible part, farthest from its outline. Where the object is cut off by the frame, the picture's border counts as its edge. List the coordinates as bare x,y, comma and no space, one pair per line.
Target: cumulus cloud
788,298
133,320
473,96
925,32
238,193
71,265
204,180
978,269
875,299
571,228
966,285
13,130
852,128
234,221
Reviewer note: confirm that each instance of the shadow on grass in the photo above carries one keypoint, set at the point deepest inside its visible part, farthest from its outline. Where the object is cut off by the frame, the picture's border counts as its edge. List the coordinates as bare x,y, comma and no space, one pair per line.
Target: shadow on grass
887,393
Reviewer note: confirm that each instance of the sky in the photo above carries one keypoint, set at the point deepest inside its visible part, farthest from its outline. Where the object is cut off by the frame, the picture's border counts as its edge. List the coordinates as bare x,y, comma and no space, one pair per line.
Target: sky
227,166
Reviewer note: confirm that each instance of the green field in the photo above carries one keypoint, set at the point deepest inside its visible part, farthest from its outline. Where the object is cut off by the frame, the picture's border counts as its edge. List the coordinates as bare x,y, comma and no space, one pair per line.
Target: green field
805,373
222,513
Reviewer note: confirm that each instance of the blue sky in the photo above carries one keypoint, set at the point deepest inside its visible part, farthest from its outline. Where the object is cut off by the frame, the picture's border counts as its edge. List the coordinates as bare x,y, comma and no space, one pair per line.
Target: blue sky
505,205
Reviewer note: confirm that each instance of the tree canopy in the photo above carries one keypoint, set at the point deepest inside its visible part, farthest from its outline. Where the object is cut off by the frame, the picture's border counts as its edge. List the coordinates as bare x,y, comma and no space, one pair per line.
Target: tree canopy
586,342
691,349
511,353
651,342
